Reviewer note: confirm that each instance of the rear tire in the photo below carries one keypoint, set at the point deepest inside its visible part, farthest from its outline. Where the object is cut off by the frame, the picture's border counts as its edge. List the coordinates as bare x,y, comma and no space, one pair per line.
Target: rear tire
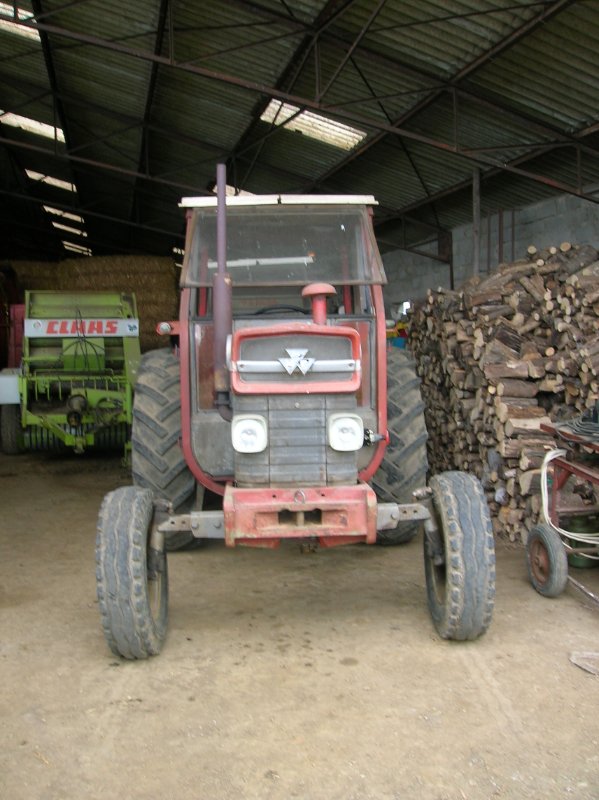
157,460
404,464
132,579
10,429
547,561
460,583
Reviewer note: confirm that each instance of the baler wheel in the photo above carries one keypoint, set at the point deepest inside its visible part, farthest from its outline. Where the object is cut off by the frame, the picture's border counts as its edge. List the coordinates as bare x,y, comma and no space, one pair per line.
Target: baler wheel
460,578
404,464
131,577
157,460
10,430
546,560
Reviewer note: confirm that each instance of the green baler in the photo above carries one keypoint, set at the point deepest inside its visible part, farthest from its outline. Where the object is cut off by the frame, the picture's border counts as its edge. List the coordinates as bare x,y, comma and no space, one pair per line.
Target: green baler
74,386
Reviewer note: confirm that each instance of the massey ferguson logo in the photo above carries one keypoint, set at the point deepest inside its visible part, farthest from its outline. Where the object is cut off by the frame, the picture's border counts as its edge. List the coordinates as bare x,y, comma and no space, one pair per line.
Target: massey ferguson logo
297,361
81,327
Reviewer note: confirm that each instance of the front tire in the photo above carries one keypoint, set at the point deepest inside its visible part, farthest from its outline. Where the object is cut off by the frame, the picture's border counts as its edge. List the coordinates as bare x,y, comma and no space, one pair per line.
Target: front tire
460,579
157,461
404,464
546,560
131,577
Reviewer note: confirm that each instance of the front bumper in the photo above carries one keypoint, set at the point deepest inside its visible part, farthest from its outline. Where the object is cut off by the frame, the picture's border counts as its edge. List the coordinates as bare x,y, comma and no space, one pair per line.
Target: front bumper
330,515
333,515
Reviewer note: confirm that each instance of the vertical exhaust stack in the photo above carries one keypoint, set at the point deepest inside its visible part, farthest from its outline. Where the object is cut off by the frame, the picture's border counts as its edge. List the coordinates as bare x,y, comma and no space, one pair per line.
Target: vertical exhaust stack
221,300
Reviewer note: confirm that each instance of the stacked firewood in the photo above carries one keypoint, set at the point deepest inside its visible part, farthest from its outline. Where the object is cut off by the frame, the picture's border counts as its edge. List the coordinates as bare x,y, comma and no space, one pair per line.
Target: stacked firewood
498,358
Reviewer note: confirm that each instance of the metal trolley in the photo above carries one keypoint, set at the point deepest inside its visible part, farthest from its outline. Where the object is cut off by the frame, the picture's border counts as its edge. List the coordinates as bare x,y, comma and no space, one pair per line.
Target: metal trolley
550,547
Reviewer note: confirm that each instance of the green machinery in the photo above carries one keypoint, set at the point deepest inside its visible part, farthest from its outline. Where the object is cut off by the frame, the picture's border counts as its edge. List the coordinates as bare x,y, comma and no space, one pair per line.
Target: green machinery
74,385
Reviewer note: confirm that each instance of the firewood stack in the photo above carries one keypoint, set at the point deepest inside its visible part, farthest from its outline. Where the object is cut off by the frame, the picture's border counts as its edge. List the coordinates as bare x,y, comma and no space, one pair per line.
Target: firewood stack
499,357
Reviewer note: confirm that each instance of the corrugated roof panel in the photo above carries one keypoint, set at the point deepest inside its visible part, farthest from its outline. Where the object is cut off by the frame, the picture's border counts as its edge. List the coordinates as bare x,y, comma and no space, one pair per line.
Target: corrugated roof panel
310,157
22,65
230,39
190,168
133,101
198,107
554,72
438,37
364,86
468,126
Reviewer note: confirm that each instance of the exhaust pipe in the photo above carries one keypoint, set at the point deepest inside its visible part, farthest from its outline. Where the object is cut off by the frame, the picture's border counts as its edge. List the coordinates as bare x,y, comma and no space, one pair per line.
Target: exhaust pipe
222,308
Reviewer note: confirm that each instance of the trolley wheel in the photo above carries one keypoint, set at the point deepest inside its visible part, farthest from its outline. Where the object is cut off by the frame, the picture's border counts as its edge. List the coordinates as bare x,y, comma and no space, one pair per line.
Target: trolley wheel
547,561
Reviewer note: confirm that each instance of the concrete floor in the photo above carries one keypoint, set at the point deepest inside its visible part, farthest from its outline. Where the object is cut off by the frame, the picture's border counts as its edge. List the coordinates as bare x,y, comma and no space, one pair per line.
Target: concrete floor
284,675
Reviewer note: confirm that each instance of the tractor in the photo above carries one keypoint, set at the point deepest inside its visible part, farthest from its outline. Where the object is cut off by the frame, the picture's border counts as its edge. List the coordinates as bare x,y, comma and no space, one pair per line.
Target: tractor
281,414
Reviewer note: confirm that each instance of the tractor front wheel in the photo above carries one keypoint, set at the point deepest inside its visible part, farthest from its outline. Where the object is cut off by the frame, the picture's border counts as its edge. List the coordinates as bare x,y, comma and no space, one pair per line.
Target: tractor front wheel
131,576
460,565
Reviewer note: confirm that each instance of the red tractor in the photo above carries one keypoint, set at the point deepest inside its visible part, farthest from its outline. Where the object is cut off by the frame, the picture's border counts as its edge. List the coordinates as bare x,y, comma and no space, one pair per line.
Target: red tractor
281,414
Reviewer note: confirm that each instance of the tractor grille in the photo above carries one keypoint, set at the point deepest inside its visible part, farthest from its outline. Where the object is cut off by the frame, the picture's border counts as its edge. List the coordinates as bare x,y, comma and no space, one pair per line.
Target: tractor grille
288,358
297,453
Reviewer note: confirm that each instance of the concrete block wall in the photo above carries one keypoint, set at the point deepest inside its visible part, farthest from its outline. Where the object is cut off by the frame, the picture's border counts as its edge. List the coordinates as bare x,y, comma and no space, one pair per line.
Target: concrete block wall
550,222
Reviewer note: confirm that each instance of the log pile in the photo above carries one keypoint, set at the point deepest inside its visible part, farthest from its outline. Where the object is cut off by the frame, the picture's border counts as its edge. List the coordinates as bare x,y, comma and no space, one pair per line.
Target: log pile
499,357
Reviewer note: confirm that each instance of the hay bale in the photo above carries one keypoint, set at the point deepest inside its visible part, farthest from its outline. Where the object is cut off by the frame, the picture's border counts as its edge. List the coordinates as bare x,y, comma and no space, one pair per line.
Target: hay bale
153,280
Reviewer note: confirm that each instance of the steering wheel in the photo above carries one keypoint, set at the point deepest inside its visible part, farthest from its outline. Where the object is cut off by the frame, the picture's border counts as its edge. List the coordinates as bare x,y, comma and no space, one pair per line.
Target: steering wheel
281,307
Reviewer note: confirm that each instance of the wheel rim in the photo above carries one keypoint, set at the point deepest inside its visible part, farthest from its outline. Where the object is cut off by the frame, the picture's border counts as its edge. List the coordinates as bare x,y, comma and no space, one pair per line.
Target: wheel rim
439,575
539,562
155,566
438,572
155,585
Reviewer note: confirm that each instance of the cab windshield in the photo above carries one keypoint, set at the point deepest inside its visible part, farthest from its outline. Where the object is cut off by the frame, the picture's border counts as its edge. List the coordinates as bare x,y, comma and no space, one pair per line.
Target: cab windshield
286,245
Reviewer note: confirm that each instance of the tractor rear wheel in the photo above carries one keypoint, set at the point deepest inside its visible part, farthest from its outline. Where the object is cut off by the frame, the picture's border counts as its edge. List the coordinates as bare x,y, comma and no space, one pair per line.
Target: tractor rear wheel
157,460
10,430
131,577
404,464
460,567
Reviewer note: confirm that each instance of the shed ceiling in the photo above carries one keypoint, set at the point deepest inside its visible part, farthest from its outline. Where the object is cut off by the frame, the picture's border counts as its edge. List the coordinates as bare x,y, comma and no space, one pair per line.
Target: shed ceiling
151,94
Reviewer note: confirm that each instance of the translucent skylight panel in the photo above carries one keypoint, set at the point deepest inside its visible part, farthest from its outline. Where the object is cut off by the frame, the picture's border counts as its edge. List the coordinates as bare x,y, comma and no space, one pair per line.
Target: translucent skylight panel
69,229
77,248
64,214
38,176
314,125
31,125
8,25
231,191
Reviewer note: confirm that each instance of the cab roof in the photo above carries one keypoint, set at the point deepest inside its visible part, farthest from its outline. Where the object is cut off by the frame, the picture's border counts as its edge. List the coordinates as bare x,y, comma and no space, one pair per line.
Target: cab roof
282,199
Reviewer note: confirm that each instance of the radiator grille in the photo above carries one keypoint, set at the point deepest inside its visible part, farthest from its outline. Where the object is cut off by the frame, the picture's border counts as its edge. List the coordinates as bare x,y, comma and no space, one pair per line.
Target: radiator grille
298,453
296,357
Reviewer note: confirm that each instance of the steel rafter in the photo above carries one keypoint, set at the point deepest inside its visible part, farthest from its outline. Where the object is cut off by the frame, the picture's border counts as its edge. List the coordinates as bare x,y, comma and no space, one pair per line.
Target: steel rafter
269,91
143,160
331,11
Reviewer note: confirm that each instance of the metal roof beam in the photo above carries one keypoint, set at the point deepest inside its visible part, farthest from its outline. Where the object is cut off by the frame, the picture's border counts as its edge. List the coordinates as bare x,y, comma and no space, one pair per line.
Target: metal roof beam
286,96
143,160
89,162
505,43
127,121
96,214
330,12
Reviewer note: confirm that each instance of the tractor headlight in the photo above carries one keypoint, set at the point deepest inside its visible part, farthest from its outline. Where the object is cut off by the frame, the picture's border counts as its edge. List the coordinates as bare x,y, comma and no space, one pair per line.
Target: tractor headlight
249,433
346,432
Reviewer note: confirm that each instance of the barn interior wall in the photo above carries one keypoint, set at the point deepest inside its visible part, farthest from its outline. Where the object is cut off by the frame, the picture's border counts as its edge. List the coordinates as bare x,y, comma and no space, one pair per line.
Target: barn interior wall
505,237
